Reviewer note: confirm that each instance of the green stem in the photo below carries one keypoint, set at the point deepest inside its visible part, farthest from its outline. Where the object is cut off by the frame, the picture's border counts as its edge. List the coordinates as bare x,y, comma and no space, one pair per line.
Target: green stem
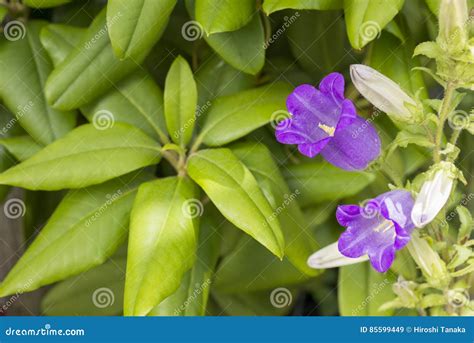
443,115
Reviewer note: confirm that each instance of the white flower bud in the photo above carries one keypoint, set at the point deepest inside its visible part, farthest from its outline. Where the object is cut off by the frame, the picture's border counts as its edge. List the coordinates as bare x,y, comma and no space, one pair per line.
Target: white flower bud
330,257
453,19
433,195
431,265
381,91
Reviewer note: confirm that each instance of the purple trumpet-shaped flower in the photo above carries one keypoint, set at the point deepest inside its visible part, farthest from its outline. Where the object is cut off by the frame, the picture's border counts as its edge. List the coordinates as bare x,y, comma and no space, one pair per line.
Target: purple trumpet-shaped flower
377,229
323,121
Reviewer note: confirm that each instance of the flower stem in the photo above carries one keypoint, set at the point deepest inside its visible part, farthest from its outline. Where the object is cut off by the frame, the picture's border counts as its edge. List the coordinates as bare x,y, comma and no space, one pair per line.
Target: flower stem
443,115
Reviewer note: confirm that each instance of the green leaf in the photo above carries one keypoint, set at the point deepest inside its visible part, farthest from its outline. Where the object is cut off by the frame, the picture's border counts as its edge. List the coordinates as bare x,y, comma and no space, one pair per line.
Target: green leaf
428,49
234,116
222,176
69,86
86,229
192,295
243,49
84,157
135,26
216,78
25,67
135,100
398,64
298,236
365,19
44,3
270,6
224,15
180,101
162,243
250,267
3,12
21,147
97,292
319,182
362,290
467,223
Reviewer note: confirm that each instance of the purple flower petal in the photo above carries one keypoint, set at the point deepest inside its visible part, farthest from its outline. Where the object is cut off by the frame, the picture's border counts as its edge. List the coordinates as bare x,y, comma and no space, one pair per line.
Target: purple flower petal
378,229
353,147
333,85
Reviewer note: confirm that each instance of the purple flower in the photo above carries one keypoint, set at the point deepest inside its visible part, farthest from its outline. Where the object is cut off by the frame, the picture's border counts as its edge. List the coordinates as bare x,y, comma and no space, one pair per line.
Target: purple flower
377,229
323,121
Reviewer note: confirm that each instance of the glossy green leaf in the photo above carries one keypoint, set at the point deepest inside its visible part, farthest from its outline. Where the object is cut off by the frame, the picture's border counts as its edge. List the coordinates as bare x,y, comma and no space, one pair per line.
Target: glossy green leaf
25,67
362,290
180,101
216,78
97,292
320,182
135,100
162,243
192,295
270,6
21,147
398,64
224,15
250,267
135,26
232,117
365,19
243,49
86,229
45,3
89,70
222,176
298,236
84,157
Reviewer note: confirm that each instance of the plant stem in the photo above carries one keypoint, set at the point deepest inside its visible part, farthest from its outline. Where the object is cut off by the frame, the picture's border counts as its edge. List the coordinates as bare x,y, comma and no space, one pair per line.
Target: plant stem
443,115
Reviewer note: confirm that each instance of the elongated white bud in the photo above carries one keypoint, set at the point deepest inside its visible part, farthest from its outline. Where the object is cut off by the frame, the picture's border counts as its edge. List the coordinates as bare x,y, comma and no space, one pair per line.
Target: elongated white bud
453,20
330,257
433,194
381,91
431,265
